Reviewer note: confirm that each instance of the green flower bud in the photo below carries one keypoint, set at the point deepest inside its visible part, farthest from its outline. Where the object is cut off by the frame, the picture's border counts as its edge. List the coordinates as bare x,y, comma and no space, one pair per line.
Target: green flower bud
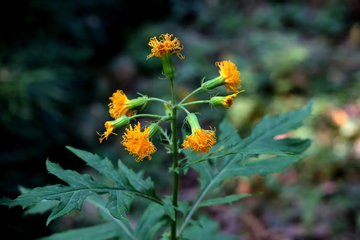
138,102
153,129
193,122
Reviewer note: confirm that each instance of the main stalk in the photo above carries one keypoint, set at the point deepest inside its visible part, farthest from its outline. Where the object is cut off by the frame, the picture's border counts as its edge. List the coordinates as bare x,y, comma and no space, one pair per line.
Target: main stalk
175,160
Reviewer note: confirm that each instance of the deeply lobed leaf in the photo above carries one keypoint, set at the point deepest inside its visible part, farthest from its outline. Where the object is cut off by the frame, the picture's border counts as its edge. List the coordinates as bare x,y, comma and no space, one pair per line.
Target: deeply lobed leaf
233,151
127,186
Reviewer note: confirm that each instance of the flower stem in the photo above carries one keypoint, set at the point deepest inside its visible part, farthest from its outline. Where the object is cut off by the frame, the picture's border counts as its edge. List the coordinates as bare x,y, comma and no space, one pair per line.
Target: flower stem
159,100
147,115
195,91
196,102
175,161
183,108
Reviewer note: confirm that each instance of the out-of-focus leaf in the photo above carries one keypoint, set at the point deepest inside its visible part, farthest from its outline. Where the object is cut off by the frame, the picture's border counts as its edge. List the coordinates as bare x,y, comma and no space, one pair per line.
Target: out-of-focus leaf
98,232
150,222
266,130
168,207
228,199
208,230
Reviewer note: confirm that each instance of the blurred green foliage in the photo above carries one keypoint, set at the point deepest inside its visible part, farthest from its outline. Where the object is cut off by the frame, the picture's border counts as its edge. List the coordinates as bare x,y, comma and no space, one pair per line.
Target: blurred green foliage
60,61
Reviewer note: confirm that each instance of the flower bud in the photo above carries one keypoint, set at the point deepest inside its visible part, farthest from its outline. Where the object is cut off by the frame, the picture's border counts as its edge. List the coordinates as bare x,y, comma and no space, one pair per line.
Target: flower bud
138,102
153,129
120,122
193,122
213,83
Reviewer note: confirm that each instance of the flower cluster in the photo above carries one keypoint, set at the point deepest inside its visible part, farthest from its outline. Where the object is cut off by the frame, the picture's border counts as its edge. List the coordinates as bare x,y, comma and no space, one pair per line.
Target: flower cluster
138,141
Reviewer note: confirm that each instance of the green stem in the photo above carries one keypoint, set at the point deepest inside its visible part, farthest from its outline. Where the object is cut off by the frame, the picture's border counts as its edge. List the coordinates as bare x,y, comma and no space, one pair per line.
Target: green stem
175,161
159,100
147,115
195,91
183,108
196,102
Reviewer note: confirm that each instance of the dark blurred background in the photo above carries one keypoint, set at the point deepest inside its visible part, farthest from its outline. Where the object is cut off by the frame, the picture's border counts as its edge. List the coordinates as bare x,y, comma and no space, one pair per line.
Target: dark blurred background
60,61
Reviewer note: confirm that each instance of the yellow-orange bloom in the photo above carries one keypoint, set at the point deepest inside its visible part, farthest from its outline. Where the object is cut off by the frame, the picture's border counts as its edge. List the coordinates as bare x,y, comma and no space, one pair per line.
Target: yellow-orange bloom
165,46
229,72
226,101
109,130
200,141
120,105
137,143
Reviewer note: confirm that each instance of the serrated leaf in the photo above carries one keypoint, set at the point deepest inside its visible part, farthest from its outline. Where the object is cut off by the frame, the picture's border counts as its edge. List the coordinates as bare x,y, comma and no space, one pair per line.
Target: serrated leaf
222,200
104,166
136,181
262,135
126,230
223,151
150,222
119,203
113,229
183,206
294,145
269,127
68,202
42,207
208,232
98,232
169,209
128,185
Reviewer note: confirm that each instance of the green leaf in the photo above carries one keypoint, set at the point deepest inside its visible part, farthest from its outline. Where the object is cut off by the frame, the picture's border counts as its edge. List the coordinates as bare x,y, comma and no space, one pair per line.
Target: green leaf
119,203
262,167
104,166
223,151
294,145
169,208
184,207
127,186
222,200
42,207
262,136
150,222
123,177
269,127
98,232
208,232
126,231
113,229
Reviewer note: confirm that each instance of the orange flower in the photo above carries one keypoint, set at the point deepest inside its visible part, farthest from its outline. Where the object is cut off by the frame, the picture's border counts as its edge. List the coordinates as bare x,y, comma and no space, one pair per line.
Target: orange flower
120,105
165,46
226,101
109,130
137,143
229,72
112,125
200,141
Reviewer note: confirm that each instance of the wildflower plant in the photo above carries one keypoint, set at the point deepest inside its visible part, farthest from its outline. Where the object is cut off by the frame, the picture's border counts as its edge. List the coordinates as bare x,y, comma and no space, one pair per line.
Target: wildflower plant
215,153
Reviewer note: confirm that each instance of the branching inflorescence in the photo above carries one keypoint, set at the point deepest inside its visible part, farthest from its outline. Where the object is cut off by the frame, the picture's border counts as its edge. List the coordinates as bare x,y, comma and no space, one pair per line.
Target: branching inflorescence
138,142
